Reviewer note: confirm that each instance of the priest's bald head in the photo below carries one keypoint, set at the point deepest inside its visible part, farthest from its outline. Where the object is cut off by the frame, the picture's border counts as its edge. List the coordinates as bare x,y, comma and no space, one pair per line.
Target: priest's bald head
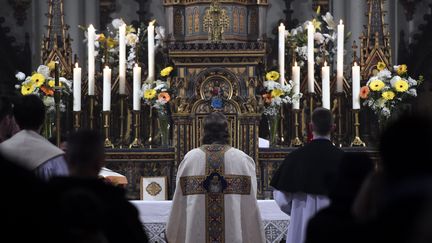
216,129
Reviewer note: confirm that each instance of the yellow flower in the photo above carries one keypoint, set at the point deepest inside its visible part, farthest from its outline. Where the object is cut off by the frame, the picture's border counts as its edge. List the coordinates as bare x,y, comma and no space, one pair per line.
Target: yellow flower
111,43
166,71
381,66
51,83
276,93
401,85
316,24
376,85
51,65
402,69
149,94
101,38
130,29
272,75
38,79
27,88
318,11
388,95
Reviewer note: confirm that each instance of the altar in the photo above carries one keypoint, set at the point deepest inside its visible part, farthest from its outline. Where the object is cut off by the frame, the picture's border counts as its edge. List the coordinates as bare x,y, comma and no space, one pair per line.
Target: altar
154,216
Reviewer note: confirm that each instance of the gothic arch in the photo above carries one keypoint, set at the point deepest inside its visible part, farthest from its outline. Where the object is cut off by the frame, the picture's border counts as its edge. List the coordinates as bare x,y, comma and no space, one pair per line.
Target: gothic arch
235,20
196,17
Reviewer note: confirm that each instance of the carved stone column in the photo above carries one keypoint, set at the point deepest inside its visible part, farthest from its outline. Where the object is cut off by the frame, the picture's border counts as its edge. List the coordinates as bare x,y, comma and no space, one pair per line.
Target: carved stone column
38,11
74,16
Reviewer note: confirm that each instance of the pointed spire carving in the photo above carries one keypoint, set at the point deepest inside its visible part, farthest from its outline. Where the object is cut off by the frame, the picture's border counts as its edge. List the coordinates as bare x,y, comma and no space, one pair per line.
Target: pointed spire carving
375,43
56,43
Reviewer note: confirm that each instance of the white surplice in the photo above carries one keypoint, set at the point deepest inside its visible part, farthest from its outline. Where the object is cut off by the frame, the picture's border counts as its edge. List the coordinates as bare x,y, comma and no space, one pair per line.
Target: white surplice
187,221
301,207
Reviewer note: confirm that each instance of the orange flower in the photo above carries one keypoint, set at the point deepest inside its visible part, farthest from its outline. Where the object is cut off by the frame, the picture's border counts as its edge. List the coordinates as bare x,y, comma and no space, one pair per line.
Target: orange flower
364,92
47,91
267,98
164,96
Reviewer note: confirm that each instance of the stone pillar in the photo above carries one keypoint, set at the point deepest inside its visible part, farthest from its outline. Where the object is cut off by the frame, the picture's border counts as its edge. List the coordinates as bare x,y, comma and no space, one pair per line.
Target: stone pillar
355,20
338,10
262,17
92,13
38,30
74,16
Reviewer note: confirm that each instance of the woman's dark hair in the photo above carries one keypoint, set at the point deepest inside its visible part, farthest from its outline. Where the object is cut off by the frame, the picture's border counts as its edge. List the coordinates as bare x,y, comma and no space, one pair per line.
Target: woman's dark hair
216,129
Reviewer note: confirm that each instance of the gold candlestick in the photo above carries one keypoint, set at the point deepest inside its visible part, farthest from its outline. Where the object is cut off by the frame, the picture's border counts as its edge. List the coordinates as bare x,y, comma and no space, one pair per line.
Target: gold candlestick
281,125
311,103
122,120
136,143
150,139
91,111
77,120
357,141
106,117
296,141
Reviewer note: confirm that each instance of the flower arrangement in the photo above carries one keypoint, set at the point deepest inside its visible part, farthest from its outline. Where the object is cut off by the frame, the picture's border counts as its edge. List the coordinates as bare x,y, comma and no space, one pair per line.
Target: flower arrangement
42,84
157,93
387,90
325,38
276,94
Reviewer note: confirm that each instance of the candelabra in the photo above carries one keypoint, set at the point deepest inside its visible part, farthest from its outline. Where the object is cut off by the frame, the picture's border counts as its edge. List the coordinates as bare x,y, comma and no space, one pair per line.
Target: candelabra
150,139
106,117
91,111
357,141
281,125
136,143
122,98
77,120
296,141
339,97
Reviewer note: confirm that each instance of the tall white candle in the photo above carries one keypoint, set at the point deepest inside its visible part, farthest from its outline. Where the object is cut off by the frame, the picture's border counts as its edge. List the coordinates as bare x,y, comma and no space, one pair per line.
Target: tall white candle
310,57
281,53
339,59
122,59
356,87
296,80
151,51
91,59
136,88
106,106
325,72
76,88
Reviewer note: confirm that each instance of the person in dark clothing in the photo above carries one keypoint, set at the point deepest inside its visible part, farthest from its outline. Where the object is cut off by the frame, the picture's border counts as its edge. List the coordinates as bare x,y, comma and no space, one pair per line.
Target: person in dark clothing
336,222
302,183
114,218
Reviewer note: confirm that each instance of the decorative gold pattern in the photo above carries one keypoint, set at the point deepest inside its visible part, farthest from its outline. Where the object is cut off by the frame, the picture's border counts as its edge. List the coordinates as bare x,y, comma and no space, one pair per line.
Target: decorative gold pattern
178,22
216,21
196,20
153,188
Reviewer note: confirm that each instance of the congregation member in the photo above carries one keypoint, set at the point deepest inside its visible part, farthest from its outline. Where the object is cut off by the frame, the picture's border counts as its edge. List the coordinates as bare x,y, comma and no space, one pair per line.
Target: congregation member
303,181
215,196
8,126
27,147
83,195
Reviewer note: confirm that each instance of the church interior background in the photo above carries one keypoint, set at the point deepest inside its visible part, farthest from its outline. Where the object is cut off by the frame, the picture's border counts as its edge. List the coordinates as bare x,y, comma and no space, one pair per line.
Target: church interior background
220,52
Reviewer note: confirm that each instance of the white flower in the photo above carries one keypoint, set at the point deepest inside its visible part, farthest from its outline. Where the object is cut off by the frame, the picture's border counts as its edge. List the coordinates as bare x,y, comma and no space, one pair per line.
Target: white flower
131,39
44,70
328,18
160,33
65,82
394,80
302,51
116,23
17,86
385,112
160,85
412,92
384,74
318,37
20,76
48,101
396,67
412,82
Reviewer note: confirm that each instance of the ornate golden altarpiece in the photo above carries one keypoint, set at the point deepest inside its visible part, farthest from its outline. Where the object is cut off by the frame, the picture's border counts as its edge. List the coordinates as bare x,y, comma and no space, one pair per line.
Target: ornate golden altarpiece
214,71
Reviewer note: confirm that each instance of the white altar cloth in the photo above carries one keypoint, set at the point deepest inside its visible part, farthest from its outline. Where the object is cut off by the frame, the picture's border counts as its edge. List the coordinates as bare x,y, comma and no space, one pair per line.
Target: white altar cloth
154,215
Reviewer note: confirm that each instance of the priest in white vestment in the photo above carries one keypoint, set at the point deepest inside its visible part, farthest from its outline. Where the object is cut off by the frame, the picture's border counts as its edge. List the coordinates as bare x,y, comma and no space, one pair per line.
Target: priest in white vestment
27,147
215,197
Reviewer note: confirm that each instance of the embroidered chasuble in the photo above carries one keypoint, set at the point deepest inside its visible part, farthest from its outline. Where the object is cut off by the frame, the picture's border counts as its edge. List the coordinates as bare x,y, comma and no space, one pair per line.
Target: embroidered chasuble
215,198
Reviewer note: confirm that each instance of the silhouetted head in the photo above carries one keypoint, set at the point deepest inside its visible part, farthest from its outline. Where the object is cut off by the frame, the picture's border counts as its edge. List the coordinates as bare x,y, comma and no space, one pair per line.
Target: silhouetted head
8,126
353,170
405,148
29,112
216,129
322,122
86,153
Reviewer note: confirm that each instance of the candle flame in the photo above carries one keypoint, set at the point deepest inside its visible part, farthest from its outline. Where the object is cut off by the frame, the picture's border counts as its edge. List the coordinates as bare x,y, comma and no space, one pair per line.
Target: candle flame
151,23
76,65
106,67
355,64
136,64
282,25
91,27
340,22
325,63
295,64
